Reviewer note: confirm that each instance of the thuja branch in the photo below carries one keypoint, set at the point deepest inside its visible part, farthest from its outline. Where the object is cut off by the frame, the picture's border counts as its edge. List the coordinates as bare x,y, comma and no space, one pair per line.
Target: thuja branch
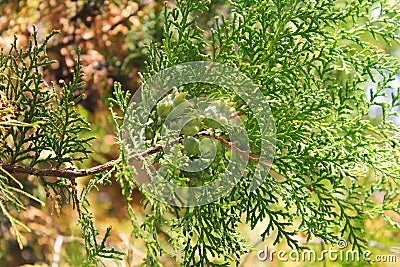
71,173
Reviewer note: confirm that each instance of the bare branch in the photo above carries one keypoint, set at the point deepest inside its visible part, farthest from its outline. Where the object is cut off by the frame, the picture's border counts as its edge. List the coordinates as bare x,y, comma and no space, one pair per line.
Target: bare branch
71,173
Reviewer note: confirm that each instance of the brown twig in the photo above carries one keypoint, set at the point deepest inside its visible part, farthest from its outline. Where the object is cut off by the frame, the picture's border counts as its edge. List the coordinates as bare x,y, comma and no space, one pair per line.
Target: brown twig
71,173
242,152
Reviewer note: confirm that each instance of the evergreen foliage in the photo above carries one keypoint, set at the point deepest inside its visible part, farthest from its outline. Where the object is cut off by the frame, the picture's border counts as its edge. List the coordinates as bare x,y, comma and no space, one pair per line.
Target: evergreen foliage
314,61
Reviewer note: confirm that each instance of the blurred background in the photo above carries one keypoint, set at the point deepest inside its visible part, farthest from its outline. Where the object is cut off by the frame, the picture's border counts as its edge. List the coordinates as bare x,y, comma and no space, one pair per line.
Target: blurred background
113,37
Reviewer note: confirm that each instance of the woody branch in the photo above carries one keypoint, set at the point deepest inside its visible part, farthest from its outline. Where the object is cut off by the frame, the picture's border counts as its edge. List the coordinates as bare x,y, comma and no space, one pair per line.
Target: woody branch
71,173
